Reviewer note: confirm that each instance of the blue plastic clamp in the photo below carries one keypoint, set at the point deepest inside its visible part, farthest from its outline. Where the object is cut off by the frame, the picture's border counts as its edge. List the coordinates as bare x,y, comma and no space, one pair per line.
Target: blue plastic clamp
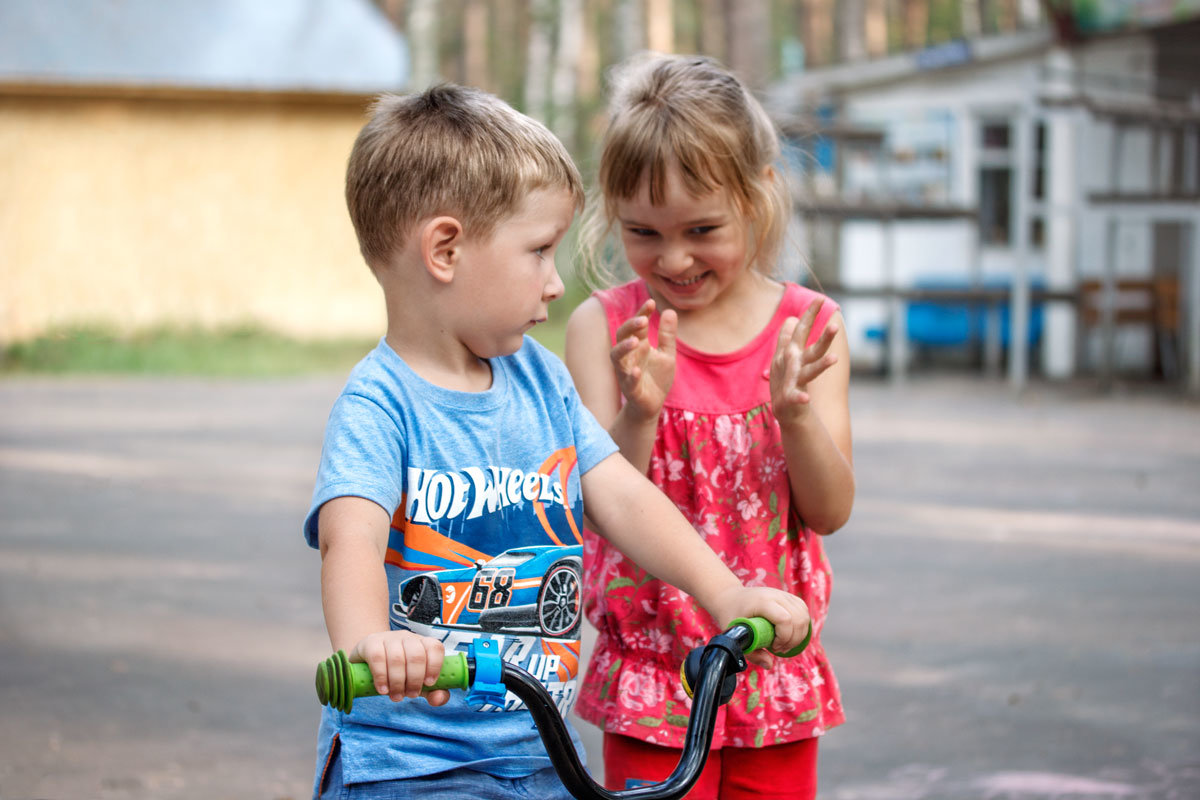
487,688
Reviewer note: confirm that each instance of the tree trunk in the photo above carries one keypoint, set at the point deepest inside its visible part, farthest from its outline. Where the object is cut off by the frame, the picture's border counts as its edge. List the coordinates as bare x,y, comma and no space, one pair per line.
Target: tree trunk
916,23
876,28
627,28
818,32
537,59
712,29
589,58
851,30
1006,15
475,45
972,18
423,43
660,26
749,40
566,66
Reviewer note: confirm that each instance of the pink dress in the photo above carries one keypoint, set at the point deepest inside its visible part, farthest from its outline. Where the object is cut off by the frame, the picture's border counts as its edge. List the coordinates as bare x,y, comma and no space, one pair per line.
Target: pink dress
718,456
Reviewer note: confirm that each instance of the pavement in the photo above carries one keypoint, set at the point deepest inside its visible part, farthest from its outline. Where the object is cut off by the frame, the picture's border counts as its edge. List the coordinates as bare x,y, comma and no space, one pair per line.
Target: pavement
1016,602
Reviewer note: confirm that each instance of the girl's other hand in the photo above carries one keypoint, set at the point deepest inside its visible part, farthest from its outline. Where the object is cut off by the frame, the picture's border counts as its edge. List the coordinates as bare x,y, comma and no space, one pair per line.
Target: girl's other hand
402,664
796,364
645,373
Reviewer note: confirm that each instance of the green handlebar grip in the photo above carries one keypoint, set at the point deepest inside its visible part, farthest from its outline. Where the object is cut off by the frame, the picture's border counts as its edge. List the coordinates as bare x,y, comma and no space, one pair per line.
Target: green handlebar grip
764,634
339,680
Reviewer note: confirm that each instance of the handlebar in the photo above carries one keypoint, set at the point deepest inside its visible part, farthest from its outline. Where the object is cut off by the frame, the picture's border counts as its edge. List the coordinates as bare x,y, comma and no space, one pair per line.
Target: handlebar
709,675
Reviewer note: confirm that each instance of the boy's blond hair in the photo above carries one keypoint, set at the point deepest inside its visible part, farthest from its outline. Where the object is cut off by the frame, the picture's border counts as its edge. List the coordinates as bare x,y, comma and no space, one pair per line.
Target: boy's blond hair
692,113
449,150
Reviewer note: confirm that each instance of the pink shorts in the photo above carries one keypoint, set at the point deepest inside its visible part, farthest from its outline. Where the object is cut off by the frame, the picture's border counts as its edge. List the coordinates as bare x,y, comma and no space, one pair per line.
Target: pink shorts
784,771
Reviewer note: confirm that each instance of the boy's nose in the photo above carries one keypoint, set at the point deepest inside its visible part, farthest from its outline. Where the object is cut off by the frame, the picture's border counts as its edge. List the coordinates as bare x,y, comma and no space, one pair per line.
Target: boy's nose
554,288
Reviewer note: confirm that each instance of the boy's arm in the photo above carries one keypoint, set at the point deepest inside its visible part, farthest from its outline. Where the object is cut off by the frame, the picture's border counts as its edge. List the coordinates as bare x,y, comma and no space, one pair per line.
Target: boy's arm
354,594
645,525
587,354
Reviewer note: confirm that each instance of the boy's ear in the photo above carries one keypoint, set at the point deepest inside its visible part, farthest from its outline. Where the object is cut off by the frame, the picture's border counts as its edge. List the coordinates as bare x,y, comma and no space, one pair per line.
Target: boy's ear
441,242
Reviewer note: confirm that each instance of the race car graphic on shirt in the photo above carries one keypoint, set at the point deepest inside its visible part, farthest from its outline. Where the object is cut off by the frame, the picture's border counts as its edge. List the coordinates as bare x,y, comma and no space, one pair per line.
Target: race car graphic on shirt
527,590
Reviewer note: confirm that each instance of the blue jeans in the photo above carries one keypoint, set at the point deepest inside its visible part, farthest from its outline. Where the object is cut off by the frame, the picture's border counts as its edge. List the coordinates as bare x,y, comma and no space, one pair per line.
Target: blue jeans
458,783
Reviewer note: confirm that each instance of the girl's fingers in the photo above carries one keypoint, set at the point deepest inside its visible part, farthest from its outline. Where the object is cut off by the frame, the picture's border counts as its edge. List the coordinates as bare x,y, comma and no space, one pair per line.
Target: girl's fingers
810,317
785,336
635,326
821,346
668,327
813,369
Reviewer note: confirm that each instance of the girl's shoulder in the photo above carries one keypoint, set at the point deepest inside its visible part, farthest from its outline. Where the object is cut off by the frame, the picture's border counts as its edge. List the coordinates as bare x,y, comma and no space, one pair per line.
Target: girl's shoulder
797,299
622,302
627,297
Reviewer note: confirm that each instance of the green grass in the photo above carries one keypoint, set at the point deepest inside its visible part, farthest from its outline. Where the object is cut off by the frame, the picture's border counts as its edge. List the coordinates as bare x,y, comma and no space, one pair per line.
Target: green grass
244,351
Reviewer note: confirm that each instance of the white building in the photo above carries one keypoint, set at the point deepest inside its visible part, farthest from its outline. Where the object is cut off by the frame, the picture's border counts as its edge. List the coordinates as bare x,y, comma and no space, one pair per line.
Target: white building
1033,159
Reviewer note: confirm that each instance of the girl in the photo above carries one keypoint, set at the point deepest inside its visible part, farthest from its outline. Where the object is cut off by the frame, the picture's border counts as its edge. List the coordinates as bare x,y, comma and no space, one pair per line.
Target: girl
730,389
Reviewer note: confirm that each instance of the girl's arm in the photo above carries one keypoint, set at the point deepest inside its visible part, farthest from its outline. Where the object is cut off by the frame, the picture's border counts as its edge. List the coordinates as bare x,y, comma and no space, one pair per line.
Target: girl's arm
354,594
643,523
811,400
602,372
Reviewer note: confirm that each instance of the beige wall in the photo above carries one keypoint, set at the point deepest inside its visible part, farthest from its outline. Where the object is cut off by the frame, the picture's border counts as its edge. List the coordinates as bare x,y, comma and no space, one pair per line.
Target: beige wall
135,211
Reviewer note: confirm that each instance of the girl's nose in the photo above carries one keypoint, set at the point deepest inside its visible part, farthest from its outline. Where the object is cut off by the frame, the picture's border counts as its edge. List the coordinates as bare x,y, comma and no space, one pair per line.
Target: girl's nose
674,259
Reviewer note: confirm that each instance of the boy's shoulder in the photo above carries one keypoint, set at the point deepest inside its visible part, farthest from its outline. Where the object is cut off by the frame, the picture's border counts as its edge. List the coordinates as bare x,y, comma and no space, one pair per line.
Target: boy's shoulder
374,373
382,373
537,363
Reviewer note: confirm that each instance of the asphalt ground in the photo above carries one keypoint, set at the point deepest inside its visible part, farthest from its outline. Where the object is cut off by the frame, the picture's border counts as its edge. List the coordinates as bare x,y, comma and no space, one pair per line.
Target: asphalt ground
1016,607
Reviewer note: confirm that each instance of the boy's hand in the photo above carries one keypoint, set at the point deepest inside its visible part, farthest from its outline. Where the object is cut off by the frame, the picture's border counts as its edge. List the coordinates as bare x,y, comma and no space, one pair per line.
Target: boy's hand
402,664
645,373
795,364
787,612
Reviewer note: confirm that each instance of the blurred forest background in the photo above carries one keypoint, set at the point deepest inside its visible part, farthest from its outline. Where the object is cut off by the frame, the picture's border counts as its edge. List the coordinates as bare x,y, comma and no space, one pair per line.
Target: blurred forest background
548,57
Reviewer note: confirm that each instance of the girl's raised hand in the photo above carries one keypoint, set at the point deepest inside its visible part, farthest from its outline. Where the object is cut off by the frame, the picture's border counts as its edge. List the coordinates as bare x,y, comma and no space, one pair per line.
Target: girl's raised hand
645,373
796,364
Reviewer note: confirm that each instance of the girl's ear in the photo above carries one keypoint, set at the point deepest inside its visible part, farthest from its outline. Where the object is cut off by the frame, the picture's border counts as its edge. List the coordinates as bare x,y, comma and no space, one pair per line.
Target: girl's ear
441,242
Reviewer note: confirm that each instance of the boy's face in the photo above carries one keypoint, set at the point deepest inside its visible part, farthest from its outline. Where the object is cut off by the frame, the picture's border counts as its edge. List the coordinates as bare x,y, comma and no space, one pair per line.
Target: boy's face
507,281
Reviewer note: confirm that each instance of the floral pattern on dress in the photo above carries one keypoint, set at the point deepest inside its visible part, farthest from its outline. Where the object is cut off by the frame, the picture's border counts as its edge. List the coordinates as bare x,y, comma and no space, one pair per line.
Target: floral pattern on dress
726,473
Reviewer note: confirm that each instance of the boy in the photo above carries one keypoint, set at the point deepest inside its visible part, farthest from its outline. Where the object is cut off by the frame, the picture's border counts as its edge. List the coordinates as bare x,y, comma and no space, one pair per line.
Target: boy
458,458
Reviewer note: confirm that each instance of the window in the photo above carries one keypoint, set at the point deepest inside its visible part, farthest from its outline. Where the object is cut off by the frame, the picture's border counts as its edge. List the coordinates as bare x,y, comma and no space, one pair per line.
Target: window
995,206
1037,185
995,183
997,166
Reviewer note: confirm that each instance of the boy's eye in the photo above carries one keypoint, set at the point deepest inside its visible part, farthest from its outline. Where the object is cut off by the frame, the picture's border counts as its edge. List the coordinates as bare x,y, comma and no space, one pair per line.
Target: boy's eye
703,229
541,251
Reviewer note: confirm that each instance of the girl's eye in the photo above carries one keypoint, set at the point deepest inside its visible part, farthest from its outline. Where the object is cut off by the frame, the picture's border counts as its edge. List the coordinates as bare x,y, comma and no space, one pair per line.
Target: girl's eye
541,251
700,230
642,231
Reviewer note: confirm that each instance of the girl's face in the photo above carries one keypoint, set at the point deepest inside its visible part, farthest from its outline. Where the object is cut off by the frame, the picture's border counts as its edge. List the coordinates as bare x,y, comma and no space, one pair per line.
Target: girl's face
689,250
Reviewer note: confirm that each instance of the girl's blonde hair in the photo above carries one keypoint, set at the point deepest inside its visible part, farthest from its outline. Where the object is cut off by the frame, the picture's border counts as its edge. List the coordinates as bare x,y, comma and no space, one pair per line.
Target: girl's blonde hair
690,113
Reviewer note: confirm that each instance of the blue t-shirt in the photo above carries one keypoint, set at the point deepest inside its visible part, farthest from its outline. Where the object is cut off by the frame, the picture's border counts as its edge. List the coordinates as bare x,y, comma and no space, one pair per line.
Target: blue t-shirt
487,512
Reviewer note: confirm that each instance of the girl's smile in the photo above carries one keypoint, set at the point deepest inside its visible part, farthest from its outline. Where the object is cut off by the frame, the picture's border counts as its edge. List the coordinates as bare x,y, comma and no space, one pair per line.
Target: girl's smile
688,249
